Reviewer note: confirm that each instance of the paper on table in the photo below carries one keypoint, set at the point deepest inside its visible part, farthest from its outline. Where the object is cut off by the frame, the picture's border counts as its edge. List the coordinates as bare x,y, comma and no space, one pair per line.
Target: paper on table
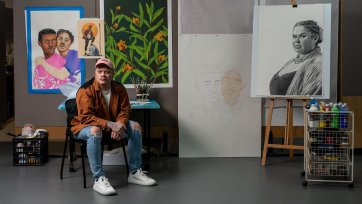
139,102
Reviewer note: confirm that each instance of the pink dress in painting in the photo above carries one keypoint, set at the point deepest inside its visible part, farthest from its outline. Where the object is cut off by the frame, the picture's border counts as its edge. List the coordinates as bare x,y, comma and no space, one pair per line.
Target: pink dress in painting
43,80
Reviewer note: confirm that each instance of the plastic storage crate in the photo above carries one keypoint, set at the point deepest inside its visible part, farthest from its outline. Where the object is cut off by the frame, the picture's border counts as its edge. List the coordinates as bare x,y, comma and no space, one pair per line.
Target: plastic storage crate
30,151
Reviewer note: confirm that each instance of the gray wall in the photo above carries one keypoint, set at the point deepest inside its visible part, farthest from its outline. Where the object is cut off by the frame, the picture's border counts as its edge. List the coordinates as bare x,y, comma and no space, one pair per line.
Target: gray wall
41,109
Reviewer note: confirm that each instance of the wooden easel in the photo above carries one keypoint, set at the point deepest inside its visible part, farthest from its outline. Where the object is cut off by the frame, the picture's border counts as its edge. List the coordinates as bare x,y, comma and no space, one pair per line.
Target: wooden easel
288,137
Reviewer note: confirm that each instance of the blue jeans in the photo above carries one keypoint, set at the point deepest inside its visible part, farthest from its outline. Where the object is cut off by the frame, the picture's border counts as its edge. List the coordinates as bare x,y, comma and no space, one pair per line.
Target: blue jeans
94,148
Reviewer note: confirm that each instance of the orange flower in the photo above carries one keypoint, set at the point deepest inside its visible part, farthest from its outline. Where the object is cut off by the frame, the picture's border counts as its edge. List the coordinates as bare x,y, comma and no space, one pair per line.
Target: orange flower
136,20
161,58
118,8
115,25
159,36
121,45
127,68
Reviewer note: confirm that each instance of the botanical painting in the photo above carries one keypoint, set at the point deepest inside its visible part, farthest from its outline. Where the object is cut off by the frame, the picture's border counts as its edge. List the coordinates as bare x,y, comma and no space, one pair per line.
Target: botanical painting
52,48
138,40
90,38
291,51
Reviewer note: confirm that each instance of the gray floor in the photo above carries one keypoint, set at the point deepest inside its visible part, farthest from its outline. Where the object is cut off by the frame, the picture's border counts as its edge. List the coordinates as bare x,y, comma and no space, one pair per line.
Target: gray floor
186,181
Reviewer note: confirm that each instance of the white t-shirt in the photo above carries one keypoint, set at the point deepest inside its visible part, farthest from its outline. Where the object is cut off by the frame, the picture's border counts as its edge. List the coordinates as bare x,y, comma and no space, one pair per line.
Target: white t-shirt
107,96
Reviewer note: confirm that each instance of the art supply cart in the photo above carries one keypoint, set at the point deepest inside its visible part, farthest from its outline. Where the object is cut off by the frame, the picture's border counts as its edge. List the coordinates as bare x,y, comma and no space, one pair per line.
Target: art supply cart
328,147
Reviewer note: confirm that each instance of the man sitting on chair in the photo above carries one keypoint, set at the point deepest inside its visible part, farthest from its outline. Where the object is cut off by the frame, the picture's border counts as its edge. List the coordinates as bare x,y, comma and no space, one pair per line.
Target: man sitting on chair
103,107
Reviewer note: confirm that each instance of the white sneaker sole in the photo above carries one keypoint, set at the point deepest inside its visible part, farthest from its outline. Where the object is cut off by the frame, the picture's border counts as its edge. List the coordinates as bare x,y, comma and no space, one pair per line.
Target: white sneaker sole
104,193
138,182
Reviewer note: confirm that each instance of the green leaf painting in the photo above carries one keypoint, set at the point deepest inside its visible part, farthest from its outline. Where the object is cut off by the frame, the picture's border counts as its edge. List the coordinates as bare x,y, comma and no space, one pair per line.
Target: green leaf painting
137,40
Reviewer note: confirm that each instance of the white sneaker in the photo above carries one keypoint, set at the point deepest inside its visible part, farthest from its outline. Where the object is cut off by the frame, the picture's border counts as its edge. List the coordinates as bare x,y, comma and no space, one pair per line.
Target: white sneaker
141,178
103,186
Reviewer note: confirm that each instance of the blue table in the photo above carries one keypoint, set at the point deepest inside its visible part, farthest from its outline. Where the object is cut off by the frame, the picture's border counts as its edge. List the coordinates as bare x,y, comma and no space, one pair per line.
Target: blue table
146,107
135,105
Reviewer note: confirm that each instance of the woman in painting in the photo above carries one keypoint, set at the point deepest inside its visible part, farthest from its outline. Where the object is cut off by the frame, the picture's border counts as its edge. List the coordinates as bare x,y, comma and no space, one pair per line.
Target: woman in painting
301,75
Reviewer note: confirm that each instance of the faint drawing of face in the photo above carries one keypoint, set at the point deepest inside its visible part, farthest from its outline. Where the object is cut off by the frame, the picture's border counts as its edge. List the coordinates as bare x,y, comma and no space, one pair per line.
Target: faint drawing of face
231,86
208,85
304,41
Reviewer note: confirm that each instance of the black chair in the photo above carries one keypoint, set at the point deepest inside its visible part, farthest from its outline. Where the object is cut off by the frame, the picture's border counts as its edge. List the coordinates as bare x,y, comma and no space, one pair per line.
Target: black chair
71,108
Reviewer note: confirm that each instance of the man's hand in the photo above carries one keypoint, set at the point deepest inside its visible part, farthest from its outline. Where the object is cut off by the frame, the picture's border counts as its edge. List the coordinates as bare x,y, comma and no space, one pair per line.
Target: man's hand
39,60
116,136
117,127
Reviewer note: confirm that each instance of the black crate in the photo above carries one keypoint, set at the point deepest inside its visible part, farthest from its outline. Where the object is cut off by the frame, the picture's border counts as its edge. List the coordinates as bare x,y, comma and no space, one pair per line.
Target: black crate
30,151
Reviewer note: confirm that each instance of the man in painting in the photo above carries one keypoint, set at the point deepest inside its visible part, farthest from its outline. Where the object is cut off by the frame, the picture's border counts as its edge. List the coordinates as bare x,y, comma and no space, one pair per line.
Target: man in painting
88,36
51,64
301,75
65,39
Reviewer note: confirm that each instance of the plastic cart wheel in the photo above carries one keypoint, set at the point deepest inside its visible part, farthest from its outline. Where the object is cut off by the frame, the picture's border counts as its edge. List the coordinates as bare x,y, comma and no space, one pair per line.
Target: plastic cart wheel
305,183
351,185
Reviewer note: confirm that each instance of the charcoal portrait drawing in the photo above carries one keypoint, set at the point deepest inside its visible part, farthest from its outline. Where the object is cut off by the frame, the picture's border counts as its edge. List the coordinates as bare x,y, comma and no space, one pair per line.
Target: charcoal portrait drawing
302,75
292,51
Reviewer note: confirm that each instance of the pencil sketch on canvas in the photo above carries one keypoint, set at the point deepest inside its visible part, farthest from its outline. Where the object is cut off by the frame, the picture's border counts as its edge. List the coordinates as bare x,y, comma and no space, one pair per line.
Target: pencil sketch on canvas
217,116
221,92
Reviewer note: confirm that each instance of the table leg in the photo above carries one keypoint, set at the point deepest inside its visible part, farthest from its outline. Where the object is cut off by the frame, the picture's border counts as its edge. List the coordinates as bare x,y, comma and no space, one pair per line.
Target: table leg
147,126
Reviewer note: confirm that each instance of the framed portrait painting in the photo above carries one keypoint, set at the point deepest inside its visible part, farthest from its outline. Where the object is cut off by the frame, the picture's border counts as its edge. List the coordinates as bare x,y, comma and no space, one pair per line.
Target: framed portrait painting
90,38
291,51
138,37
52,48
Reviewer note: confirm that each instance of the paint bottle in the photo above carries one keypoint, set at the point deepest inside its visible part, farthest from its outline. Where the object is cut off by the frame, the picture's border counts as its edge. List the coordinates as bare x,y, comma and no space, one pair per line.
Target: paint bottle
335,116
344,116
313,116
312,101
322,105
322,118
327,115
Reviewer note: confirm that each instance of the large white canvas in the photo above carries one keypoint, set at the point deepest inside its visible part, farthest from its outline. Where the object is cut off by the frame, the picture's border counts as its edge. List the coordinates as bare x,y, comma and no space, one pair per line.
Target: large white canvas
210,124
272,42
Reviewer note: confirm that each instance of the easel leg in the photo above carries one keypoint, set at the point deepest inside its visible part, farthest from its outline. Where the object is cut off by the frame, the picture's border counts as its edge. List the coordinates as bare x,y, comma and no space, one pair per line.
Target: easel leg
267,131
289,127
288,136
